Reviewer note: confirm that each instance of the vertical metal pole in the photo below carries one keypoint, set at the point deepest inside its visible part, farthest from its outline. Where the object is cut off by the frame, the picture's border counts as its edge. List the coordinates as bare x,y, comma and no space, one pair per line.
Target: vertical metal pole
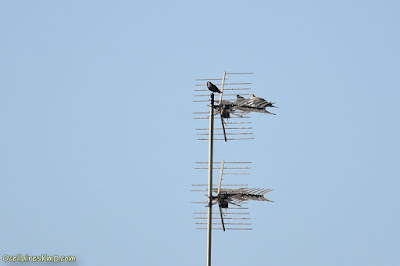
210,179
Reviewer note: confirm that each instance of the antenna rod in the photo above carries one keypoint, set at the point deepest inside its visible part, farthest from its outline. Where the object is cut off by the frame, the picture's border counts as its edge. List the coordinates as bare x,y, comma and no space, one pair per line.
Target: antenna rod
210,179
222,88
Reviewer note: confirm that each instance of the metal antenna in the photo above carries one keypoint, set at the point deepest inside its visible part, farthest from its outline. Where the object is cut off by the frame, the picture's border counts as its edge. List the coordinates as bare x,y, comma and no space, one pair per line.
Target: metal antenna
228,196
234,122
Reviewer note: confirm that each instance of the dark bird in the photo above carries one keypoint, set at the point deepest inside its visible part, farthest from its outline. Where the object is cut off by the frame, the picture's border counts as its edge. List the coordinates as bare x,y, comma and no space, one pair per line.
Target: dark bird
212,87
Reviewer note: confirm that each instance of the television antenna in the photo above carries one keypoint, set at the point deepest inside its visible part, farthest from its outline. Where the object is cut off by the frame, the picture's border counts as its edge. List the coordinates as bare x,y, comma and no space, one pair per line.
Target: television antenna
235,107
229,197
228,109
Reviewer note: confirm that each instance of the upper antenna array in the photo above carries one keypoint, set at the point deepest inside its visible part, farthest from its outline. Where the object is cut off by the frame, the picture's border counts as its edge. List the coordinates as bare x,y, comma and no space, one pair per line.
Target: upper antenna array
233,106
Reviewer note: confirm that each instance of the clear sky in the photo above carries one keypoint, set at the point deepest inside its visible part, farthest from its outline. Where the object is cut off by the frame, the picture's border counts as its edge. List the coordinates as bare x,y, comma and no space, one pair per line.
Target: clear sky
97,140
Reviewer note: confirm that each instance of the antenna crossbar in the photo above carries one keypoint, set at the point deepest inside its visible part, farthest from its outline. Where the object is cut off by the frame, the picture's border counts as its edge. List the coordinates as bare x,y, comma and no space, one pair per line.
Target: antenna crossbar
208,95
229,223
237,173
239,123
229,139
227,218
236,117
224,162
225,213
230,134
236,83
226,128
224,168
229,89
215,185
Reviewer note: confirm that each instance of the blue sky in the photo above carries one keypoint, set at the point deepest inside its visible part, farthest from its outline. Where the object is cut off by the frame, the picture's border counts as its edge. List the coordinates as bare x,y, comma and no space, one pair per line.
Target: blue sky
97,140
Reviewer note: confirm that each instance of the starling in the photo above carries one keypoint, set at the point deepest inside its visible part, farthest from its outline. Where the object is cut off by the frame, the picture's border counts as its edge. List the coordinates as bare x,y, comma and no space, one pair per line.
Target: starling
212,87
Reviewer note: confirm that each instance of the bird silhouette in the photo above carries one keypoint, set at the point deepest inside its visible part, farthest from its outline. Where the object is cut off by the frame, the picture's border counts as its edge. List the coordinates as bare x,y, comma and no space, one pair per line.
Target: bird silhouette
212,87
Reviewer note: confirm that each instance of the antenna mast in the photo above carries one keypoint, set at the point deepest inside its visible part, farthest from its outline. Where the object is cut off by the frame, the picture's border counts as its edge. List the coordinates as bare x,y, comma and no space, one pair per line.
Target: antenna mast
210,180
230,197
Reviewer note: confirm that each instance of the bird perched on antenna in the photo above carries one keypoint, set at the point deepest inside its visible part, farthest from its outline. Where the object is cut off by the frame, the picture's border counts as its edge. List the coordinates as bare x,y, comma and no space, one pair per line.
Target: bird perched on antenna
240,99
212,87
260,102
